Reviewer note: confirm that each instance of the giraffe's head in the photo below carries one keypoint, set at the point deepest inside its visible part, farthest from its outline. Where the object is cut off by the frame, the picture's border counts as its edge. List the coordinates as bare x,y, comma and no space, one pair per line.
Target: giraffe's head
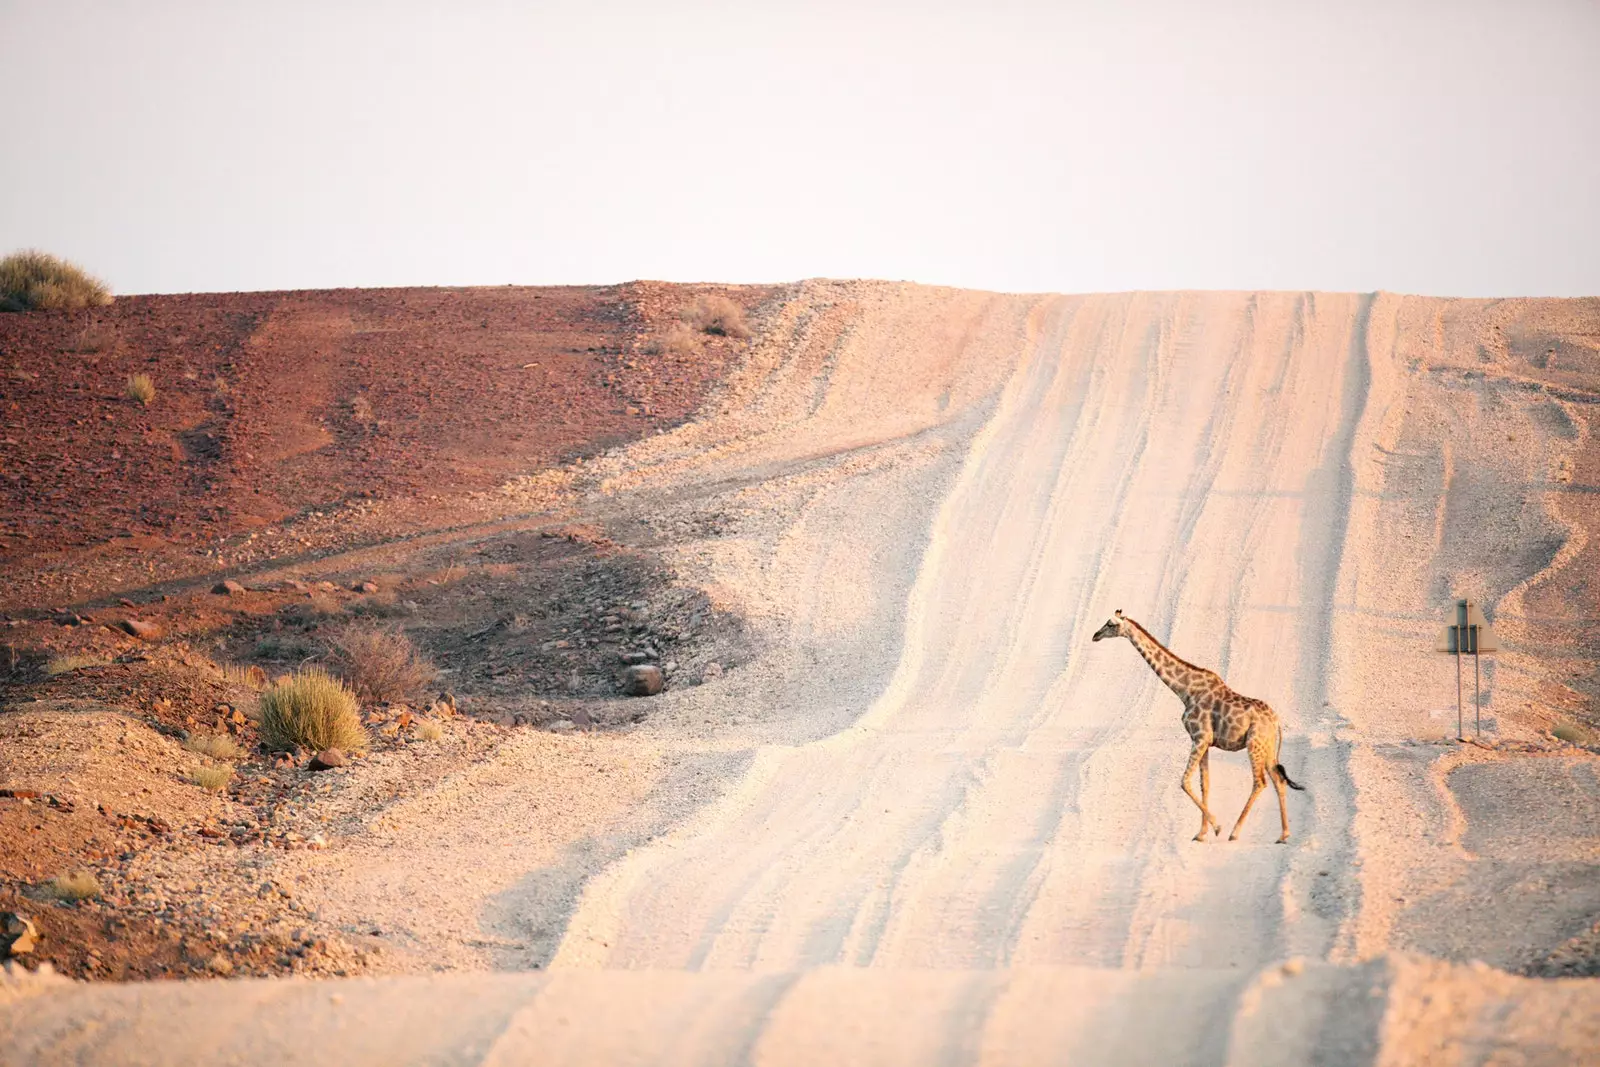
1112,628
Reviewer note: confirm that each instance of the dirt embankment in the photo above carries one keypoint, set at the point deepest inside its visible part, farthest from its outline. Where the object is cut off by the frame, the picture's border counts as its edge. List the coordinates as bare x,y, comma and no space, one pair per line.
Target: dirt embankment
351,457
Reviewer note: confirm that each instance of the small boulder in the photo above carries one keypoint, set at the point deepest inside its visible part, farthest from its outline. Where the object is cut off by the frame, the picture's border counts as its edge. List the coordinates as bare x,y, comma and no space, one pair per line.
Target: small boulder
642,680
365,587
327,759
143,629
17,933
228,588
561,726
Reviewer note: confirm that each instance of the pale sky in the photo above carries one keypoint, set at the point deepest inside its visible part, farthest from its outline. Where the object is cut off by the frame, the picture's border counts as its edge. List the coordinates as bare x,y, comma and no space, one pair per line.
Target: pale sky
1441,148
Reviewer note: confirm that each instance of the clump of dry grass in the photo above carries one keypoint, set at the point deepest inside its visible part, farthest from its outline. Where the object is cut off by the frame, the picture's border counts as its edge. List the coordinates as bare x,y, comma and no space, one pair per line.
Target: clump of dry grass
312,709
217,746
96,337
214,778
717,315
33,279
79,885
680,340
429,730
140,388
1573,733
380,663
66,664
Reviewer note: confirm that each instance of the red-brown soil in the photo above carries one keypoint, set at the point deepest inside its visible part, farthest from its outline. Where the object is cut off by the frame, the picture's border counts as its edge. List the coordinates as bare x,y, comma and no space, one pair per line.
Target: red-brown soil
271,407
306,444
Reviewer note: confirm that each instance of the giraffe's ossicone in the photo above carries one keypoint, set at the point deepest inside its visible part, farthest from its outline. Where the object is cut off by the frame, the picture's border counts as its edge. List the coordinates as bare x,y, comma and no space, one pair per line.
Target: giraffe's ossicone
1215,717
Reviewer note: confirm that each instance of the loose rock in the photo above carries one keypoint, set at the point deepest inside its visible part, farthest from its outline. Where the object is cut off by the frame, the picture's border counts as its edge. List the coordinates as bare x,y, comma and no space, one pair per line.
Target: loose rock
143,629
18,933
642,680
228,587
365,587
327,759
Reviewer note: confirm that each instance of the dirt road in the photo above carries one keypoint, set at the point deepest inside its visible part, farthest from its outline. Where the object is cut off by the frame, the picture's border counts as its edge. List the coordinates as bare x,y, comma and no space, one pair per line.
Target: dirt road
959,834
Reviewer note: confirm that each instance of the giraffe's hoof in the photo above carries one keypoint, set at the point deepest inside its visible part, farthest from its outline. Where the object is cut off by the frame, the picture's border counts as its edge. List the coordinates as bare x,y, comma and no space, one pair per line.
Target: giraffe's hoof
1284,840
1233,837
1201,836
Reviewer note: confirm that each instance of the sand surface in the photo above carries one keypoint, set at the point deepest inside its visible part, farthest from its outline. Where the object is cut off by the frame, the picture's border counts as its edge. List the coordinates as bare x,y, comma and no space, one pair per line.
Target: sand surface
944,825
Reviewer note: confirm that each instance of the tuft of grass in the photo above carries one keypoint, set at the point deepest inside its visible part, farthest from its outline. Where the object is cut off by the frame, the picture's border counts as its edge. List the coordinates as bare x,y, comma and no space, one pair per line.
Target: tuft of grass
31,279
312,709
140,388
251,677
429,730
96,337
217,746
717,315
380,663
67,664
79,885
1573,733
214,778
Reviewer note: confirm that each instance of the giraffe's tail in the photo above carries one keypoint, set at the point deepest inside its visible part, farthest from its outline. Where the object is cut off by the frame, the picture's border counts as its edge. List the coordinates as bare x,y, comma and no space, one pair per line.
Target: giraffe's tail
1277,768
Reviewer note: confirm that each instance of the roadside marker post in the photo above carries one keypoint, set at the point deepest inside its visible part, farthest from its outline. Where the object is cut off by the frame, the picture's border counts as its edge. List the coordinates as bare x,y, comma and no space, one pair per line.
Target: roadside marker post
1469,635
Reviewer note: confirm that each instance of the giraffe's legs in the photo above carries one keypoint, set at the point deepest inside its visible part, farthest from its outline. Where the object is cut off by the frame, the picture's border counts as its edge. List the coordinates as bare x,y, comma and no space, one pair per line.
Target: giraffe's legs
1196,759
1205,796
1283,809
1256,745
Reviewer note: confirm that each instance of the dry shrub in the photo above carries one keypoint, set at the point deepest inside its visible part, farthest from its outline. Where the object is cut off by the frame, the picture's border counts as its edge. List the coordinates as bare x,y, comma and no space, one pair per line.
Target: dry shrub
251,677
717,315
429,730
215,779
679,340
1573,733
96,337
66,664
33,279
79,885
380,663
140,388
217,746
311,709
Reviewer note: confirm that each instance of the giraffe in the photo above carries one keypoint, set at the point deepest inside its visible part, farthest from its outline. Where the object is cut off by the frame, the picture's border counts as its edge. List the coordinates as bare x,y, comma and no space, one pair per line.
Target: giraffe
1214,716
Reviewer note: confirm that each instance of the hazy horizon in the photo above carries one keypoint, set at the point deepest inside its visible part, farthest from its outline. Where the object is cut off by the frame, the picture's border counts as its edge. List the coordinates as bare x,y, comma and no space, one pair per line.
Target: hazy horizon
1442,149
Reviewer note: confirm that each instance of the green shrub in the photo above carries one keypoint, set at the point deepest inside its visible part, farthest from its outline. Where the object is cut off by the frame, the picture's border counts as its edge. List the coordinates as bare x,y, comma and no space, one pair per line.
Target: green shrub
34,279
313,710
1573,733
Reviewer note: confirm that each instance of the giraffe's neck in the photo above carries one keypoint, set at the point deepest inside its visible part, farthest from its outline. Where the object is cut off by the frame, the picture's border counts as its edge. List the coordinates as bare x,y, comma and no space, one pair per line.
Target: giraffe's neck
1169,668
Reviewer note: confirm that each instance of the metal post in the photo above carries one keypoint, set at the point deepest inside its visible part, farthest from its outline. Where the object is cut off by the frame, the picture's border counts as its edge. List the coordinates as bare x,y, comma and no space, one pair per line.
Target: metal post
1477,694
1459,732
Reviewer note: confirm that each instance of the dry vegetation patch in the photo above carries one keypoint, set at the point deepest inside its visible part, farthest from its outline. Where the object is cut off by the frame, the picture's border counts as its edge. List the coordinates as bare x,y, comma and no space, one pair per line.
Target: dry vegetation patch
380,663
312,710
718,315
33,279
140,388
214,778
78,885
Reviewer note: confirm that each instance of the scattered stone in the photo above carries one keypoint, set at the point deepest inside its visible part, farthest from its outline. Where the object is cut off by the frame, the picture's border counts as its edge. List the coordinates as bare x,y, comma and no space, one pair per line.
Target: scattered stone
561,726
67,618
713,670
327,587
229,587
582,719
143,629
220,964
642,680
365,587
632,657
327,759
125,602
18,933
